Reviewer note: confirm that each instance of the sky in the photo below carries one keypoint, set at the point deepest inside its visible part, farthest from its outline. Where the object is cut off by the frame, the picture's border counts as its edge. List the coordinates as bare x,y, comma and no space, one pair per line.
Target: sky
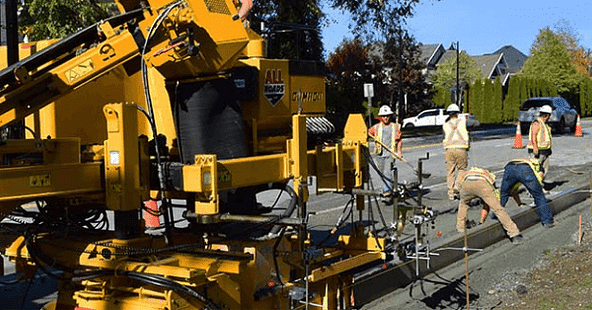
481,27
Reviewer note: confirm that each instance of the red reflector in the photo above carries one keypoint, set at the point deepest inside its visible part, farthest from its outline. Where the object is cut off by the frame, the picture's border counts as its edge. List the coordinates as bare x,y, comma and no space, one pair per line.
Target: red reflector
270,284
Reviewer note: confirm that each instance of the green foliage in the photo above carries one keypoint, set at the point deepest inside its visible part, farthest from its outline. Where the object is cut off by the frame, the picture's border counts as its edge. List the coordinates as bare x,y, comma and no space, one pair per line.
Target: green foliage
476,105
496,105
441,97
512,101
486,103
54,19
445,75
550,61
586,97
293,28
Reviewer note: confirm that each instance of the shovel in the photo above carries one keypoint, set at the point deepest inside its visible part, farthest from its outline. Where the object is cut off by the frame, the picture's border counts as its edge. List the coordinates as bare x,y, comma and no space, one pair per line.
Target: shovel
423,175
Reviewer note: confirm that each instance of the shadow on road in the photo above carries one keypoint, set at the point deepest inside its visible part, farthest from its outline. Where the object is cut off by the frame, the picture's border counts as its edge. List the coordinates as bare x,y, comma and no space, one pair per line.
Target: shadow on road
452,294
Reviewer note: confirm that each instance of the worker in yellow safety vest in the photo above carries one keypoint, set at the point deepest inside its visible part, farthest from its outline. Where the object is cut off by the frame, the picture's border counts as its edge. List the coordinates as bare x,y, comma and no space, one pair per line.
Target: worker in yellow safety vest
456,144
480,183
389,135
539,138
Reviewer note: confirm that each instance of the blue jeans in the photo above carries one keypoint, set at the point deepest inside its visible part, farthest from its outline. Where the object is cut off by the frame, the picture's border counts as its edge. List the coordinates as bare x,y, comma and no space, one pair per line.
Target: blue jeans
521,173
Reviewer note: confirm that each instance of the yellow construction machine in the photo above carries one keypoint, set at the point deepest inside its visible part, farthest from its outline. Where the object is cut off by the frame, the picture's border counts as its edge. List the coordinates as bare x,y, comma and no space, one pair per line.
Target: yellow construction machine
173,105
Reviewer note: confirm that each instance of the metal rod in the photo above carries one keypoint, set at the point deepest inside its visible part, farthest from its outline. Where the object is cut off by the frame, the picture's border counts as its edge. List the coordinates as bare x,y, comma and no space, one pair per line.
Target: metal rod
467,269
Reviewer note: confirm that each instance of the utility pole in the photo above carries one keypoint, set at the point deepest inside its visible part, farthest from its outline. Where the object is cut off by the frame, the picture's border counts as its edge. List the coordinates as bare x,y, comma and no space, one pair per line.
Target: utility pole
458,92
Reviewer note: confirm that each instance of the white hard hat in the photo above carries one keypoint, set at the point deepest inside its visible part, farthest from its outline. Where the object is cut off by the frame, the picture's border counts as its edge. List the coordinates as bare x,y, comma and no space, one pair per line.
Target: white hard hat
385,110
453,108
546,109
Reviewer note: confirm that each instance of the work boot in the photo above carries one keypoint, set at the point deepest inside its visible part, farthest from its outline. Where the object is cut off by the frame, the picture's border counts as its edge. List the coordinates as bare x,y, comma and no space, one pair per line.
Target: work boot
517,240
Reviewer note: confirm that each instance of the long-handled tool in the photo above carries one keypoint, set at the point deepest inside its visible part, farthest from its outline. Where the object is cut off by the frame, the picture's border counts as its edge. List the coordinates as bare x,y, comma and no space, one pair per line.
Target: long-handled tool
415,170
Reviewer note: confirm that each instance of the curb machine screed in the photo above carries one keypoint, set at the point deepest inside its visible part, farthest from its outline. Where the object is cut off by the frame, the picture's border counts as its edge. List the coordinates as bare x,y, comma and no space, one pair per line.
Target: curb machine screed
174,102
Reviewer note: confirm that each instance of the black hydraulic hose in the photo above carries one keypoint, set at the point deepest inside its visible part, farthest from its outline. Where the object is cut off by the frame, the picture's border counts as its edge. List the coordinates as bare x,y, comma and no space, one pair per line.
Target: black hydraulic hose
153,28
274,251
348,209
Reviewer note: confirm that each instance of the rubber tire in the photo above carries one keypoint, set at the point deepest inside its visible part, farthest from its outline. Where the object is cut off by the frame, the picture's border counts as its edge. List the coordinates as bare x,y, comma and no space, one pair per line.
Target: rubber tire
573,126
409,126
524,128
560,127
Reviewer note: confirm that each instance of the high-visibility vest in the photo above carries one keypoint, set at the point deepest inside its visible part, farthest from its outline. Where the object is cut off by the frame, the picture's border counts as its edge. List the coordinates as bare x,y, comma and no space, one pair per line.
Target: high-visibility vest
475,172
543,136
534,164
395,135
455,134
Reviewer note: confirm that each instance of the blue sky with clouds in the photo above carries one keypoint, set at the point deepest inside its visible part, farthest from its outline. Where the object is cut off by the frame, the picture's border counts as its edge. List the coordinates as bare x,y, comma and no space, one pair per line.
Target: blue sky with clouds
482,27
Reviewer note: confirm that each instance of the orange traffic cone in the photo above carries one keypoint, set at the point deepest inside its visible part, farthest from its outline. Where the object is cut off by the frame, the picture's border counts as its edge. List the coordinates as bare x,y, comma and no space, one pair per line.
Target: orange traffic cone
578,132
151,217
518,138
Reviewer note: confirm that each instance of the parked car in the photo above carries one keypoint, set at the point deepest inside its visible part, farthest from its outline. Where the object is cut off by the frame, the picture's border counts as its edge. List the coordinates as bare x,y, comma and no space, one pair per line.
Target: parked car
436,117
563,113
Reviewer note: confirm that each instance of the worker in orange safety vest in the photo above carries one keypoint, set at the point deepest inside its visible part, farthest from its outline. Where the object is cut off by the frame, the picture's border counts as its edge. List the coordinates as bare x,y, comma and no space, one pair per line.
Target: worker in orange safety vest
456,144
480,183
389,134
540,139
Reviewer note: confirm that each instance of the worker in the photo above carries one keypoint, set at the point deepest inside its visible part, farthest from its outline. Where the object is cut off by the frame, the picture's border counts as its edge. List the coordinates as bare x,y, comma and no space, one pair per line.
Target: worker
456,144
244,7
539,138
480,183
528,172
387,134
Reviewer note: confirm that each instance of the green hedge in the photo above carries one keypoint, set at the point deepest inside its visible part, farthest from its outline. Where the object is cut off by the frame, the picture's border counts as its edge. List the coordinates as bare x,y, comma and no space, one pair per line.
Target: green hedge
492,104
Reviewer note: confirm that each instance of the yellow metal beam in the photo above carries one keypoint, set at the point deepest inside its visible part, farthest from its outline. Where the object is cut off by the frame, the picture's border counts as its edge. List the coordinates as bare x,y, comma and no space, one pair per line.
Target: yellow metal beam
34,182
343,266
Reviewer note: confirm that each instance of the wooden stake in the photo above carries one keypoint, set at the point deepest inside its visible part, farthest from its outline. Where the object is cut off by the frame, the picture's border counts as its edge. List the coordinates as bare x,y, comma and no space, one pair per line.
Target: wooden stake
580,232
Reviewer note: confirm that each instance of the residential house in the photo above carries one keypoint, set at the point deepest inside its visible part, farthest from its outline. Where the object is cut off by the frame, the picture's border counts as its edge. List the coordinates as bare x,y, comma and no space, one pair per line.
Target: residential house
502,63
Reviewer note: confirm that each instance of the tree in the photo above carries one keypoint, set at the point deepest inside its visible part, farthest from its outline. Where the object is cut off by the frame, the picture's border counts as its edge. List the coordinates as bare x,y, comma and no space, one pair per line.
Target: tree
54,19
399,69
496,102
291,27
384,21
376,20
347,71
550,61
581,57
445,75
512,101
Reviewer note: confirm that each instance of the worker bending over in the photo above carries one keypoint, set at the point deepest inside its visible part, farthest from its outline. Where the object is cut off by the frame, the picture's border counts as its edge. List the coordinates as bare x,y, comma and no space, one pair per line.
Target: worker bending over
456,144
528,172
480,183
539,138
388,143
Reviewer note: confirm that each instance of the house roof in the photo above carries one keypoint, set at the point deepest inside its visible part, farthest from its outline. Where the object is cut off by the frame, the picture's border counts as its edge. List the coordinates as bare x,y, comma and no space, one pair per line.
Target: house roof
428,52
515,59
489,64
